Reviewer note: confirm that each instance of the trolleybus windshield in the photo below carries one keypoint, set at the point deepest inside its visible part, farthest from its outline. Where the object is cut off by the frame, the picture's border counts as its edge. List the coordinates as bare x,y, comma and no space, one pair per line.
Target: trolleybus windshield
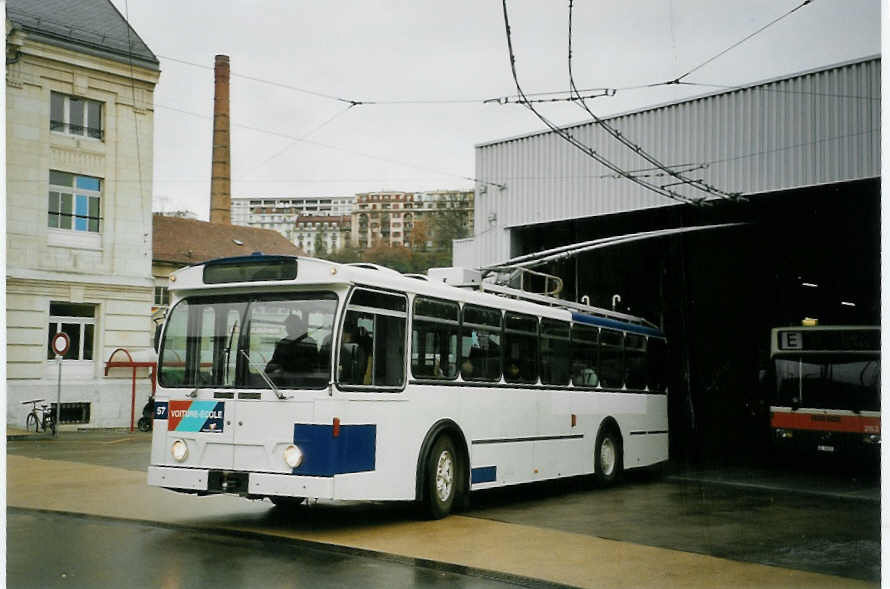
227,341
836,381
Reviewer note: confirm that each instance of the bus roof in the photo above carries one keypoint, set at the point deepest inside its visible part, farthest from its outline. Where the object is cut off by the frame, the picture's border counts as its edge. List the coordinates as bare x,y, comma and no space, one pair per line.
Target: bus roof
322,273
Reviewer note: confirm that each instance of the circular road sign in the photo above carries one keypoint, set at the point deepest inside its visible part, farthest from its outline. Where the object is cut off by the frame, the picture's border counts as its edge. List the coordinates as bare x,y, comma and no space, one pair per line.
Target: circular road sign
61,343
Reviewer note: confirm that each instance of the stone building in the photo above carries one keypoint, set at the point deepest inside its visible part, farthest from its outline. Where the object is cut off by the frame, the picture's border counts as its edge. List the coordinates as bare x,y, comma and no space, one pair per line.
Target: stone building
331,232
280,213
389,217
80,122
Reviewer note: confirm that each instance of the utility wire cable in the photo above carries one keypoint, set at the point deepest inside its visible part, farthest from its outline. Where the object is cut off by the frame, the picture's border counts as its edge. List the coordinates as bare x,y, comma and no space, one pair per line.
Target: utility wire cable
350,101
302,137
696,183
140,185
737,43
268,82
571,139
337,148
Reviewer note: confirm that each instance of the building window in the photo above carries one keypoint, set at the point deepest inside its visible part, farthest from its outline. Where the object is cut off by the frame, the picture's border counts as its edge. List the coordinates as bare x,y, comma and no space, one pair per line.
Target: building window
75,116
76,320
74,201
162,296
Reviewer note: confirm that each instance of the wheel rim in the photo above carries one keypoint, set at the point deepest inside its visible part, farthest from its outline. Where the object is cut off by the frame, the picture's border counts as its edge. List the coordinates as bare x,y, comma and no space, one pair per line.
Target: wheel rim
444,476
607,456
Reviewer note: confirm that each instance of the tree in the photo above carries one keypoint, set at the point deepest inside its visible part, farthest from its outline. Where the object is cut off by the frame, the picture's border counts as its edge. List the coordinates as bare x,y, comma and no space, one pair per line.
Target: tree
448,225
321,249
420,234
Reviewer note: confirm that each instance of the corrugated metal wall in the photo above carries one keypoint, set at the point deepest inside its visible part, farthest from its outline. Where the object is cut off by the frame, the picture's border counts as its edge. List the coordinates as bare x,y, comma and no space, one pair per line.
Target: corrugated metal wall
814,128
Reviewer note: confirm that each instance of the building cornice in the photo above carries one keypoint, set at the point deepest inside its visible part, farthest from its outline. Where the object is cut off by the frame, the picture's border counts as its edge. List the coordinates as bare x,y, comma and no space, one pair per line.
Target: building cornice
46,276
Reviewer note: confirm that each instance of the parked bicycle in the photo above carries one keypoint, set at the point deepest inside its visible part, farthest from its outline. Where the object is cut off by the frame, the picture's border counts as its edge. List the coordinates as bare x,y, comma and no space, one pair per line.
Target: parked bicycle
42,418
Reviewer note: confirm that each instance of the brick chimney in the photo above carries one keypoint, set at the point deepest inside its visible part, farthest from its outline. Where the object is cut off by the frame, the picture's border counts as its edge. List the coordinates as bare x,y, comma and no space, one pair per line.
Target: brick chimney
220,179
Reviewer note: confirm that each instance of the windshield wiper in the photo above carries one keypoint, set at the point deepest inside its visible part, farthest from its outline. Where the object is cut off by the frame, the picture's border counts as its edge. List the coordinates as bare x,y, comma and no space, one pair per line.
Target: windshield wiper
228,352
262,373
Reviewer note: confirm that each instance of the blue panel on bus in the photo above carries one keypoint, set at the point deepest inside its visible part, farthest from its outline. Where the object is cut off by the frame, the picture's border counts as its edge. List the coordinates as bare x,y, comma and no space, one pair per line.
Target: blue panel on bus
615,324
354,450
484,474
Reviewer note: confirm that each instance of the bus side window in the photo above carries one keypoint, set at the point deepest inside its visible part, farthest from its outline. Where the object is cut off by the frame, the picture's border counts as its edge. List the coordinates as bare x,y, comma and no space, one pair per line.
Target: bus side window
520,348
611,370
372,346
584,356
480,344
554,352
634,361
434,339
656,364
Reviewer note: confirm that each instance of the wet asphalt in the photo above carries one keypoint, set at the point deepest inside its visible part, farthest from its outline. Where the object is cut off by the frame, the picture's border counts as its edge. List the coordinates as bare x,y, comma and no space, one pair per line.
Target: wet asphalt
809,519
85,551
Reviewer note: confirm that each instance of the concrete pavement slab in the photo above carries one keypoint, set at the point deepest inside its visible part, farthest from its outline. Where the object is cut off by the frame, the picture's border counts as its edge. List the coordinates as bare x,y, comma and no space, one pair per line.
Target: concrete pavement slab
551,555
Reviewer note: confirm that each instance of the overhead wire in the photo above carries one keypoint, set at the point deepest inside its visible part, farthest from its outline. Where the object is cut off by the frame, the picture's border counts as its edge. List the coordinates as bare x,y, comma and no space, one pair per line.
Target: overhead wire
695,183
590,152
737,43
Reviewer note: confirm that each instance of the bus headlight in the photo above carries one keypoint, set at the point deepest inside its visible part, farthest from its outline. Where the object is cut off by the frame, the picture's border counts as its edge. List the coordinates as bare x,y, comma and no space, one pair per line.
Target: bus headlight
784,434
872,438
293,456
179,451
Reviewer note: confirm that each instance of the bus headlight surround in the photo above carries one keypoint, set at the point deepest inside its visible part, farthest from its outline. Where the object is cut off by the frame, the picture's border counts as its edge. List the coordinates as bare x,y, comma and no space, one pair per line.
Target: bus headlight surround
784,434
293,456
179,450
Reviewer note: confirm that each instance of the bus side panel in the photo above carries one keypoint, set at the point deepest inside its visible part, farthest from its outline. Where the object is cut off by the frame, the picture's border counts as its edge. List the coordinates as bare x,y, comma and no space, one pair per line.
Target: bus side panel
646,434
499,423
399,436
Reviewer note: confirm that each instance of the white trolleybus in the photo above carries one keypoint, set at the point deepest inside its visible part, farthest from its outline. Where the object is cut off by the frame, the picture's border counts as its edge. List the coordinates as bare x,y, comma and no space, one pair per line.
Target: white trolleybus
290,378
827,394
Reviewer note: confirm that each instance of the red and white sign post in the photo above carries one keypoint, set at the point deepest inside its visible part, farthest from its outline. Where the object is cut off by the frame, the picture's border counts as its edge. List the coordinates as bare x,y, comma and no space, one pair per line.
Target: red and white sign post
60,345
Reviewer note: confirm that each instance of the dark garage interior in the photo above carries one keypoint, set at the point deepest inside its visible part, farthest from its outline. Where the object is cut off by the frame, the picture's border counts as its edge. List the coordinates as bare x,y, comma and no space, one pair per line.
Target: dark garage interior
718,292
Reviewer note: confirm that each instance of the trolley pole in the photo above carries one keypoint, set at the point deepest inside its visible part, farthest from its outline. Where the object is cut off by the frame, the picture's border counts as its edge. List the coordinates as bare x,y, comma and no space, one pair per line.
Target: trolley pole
58,396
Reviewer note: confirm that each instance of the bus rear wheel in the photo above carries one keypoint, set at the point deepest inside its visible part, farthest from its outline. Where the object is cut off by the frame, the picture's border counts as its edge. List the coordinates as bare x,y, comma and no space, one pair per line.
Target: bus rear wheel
607,457
441,475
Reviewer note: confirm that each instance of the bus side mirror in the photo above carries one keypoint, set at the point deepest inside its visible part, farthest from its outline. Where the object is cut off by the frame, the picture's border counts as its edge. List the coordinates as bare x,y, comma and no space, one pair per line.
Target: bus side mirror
157,338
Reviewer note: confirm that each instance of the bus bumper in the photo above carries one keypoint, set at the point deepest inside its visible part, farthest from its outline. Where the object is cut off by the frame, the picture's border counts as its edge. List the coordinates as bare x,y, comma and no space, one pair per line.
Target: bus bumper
205,481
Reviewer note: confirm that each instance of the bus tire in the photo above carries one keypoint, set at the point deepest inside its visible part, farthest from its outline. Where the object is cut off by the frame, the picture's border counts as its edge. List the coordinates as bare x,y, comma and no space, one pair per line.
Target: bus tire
286,502
442,478
607,457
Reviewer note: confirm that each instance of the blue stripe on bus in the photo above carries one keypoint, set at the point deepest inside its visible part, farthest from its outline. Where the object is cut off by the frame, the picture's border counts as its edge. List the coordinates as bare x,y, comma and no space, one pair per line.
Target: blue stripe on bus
484,474
354,450
615,324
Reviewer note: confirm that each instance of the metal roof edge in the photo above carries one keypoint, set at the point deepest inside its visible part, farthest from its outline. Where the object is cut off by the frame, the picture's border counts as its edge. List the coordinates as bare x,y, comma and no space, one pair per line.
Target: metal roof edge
731,90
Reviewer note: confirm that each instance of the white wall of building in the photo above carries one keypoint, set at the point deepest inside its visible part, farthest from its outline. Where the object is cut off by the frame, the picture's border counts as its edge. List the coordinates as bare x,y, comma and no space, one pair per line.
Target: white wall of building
109,269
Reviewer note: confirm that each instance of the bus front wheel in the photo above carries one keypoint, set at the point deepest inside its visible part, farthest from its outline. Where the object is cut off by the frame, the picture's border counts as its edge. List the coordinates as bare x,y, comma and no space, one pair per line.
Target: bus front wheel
607,457
441,478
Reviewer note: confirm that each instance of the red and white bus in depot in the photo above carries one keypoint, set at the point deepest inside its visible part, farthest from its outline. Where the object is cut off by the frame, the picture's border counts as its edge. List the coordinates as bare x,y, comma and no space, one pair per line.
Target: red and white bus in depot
827,394
291,378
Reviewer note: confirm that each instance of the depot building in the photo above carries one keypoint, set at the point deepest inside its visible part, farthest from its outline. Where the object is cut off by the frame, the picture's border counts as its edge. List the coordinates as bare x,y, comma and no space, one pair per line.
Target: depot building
788,171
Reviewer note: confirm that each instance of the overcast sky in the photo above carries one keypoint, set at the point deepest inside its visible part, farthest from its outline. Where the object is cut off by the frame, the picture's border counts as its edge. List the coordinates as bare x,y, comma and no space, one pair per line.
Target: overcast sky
435,50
